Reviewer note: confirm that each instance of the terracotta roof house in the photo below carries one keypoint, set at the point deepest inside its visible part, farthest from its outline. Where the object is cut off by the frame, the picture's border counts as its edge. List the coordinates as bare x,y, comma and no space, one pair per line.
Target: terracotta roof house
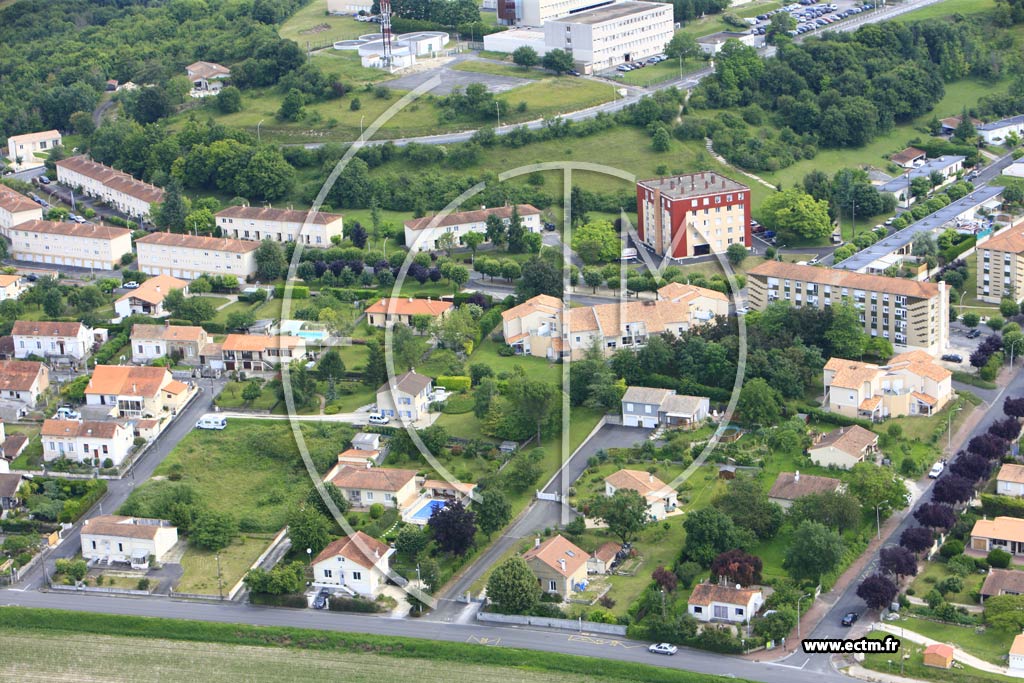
422,234
1006,533
63,343
364,486
909,384
16,208
388,311
844,447
1016,658
1010,480
207,76
559,565
115,539
1002,582
117,188
938,655
180,342
1002,265
148,298
661,499
790,486
356,565
86,441
603,558
190,256
720,602
909,157
260,353
134,392
22,382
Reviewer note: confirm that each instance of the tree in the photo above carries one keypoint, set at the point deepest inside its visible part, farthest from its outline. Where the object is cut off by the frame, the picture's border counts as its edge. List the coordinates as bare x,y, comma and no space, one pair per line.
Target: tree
953,489
779,27
917,539
970,320
81,122
270,263
473,240
307,528
738,567
665,579
709,532
895,559
513,587
284,579
534,401
411,541
453,527
172,211
661,141
836,510
682,45
971,467
796,215
357,233
759,403
878,487
625,513
73,569
998,558
877,591
965,130
229,100
213,530
525,56
252,391
495,230
935,516
539,276
493,511
458,276
987,446
746,502
777,625
314,499
845,333
1005,612
1014,406
483,396
53,303
596,242
1007,429
593,278
814,551
292,106
558,61
736,253
148,105
331,364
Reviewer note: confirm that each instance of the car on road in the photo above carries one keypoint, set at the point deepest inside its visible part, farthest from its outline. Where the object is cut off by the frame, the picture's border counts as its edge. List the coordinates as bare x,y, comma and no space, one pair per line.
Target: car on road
953,358
937,469
850,618
379,419
974,334
320,601
663,649
131,284
43,180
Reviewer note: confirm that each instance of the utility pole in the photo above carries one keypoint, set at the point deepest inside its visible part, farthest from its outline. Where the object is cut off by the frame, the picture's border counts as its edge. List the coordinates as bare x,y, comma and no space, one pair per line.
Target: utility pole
497,109
258,131
220,584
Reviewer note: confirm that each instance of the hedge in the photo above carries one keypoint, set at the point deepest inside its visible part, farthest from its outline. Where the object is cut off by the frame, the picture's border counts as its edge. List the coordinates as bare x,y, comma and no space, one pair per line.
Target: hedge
949,255
287,600
213,327
453,382
24,526
836,419
489,320
339,604
73,509
1001,506
468,298
298,291
349,295
180,321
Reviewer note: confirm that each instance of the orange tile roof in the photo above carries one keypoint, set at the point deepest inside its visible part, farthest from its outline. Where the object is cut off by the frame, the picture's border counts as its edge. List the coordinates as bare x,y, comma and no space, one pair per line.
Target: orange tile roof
410,306
844,278
127,380
19,375
925,398
357,454
72,428
1011,473
853,440
920,363
45,328
260,342
126,527
374,479
113,178
542,303
16,202
909,154
35,137
360,548
84,230
607,551
851,374
175,387
439,485
463,217
1018,645
153,290
1000,528
642,482
870,403
940,649
559,548
266,213
179,241
675,291
188,333
1011,240
8,280
706,593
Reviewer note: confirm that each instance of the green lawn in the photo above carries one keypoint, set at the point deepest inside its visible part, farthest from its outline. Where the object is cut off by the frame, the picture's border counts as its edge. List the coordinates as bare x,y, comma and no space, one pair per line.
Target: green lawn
354,356
936,571
660,72
556,96
32,457
713,23
989,644
231,397
914,668
312,24
536,368
200,566
215,301
504,69
948,8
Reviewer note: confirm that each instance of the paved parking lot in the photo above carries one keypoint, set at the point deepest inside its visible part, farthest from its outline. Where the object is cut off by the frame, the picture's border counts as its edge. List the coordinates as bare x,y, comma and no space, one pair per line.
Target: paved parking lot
453,78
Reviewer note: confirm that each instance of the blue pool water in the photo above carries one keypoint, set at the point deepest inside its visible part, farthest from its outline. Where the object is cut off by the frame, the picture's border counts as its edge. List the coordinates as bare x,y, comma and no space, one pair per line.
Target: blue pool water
423,514
313,335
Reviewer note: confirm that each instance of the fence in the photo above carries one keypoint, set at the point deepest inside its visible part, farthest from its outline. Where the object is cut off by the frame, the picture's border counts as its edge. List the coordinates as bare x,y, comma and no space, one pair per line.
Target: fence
97,589
13,575
278,540
549,622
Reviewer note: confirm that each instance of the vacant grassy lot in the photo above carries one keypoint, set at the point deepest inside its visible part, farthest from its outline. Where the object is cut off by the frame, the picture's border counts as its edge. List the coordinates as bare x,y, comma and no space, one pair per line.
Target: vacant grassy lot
200,566
713,23
990,645
231,397
503,69
936,571
914,667
312,24
949,8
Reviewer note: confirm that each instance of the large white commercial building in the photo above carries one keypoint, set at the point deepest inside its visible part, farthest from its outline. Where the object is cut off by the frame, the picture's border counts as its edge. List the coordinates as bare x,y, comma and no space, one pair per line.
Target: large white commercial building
609,36
16,208
125,193
190,256
280,225
537,12
82,245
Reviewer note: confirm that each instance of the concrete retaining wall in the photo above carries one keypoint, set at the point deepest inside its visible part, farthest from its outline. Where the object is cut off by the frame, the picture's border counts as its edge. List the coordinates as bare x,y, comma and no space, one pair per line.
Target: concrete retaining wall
548,622
97,589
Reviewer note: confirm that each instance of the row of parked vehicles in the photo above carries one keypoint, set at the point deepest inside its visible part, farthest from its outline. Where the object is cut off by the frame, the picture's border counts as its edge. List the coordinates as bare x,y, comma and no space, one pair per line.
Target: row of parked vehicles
811,15
632,66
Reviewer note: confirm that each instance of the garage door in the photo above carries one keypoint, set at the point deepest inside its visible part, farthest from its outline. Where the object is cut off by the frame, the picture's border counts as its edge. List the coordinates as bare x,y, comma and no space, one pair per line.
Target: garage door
650,422
631,420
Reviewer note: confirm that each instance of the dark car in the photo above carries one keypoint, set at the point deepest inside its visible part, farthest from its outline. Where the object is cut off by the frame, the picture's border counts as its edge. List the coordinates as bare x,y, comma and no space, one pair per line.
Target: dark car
44,180
953,358
320,601
974,334
849,618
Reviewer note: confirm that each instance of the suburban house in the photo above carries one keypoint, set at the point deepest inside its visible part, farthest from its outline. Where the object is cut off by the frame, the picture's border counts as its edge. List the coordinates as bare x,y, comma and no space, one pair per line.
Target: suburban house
179,342
422,234
356,564
10,485
408,398
1005,533
720,602
82,245
280,225
660,497
22,382
1010,480
534,327
1001,266
366,441
603,558
910,314
86,441
61,343
791,486
1016,657
116,188
996,132
189,256
148,298
651,407
111,539
950,123
938,655
909,158
712,44
692,215
132,391
11,286
22,149
15,209
559,565
910,384
207,77
364,486
387,312
359,457
946,166
1002,582
260,353
844,447
705,304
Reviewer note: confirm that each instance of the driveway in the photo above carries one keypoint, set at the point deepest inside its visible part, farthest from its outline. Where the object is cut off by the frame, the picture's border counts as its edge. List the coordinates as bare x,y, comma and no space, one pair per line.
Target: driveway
453,78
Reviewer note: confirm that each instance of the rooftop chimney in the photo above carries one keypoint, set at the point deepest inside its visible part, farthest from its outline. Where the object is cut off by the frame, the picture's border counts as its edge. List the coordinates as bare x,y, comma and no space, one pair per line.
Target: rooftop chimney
536,542
369,464
796,477
561,563
650,478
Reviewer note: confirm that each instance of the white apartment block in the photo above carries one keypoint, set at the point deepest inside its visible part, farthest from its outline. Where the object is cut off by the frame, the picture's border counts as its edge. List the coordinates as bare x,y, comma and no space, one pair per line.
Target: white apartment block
1001,266
21,149
88,441
82,245
280,225
612,35
539,12
190,256
16,208
422,234
71,342
115,188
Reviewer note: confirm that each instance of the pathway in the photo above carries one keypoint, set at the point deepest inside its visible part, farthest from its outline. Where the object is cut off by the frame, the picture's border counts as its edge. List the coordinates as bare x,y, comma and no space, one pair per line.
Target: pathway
958,654
720,159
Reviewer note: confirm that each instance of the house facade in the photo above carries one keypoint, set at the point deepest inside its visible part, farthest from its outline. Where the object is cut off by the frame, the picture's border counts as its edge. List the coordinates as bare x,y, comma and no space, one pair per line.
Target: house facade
844,447
280,225
651,407
86,441
118,189
791,486
408,398
1005,533
1001,266
180,342
1010,480
692,215
365,486
22,149
1002,582
58,342
603,559
559,565
10,490
1015,660
356,564
948,168
15,209
148,298
22,382
660,497
705,304
207,77
388,311
11,287
260,353
82,245
719,602
614,34
910,384
422,234
136,392
996,132
189,256
127,540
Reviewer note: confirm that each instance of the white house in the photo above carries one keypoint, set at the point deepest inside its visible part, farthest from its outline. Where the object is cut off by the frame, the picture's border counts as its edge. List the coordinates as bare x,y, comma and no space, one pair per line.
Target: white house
364,486
22,149
116,188
713,44
660,497
60,342
131,391
844,447
1016,660
650,407
407,399
422,234
356,564
127,540
82,245
148,298
1010,480
207,77
22,382
714,602
280,225
16,208
88,441
11,287
995,132
180,342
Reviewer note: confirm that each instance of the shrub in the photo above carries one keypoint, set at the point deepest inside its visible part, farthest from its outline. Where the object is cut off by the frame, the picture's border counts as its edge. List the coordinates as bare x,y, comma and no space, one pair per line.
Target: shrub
298,291
143,584
286,600
376,510
961,565
952,584
951,548
453,382
337,603
998,558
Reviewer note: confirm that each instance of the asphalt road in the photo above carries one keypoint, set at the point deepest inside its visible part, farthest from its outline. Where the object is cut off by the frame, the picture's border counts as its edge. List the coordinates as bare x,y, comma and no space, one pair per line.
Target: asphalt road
544,640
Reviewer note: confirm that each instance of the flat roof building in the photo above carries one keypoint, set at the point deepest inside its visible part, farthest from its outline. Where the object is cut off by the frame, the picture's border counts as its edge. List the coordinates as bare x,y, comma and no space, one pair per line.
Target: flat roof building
613,34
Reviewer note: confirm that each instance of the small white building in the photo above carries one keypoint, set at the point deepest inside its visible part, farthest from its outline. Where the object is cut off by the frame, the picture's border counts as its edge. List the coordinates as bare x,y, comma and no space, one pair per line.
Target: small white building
514,38
22,149
190,256
207,77
844,447
734,604
356,564
22,382
179,342
422,234
280,225
16,208
661,499
1010,480
11,287
1016,659
363,486
88,441
148,298
995,133
56,341
111,539
614,34
713,44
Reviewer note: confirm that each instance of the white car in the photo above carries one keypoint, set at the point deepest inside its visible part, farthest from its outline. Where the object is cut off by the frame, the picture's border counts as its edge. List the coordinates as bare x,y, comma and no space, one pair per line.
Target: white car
663,649
937,469
379,419
131,284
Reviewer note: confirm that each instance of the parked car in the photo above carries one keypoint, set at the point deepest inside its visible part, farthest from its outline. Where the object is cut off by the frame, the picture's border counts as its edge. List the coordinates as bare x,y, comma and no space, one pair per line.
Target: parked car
67,413
131,284
953,358
320,601
379,419
43,180
937,469
850,618
663,649
974,334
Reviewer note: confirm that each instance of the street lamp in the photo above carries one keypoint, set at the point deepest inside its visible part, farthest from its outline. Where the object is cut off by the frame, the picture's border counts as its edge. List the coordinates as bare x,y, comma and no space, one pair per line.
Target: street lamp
220,584
961,306
1013,345
361,126
497,109
949,437
258,131
806,595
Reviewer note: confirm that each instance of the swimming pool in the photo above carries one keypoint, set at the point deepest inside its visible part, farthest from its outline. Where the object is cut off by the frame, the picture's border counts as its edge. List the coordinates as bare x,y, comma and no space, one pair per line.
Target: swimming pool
423,514
311,335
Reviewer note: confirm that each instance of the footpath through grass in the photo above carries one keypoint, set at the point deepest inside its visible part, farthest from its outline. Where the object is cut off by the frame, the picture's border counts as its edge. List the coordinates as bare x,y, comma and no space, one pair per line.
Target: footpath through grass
391,658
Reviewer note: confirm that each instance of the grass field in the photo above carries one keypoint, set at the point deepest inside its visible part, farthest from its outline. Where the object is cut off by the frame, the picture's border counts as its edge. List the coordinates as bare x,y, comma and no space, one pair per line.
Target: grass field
713,23
914,668
990,645
660,72
936,571
948,8
313,25
200,566
505,69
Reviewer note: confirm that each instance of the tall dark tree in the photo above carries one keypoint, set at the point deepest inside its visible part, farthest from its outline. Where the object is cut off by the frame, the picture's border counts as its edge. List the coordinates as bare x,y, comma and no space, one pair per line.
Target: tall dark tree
625,513
1014,406
539,276
1008,428
988,446
936,516
453,527
917,539
971,467
895,559
173,208
493,511
357,233
953,489
877,591
738,567
746,501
